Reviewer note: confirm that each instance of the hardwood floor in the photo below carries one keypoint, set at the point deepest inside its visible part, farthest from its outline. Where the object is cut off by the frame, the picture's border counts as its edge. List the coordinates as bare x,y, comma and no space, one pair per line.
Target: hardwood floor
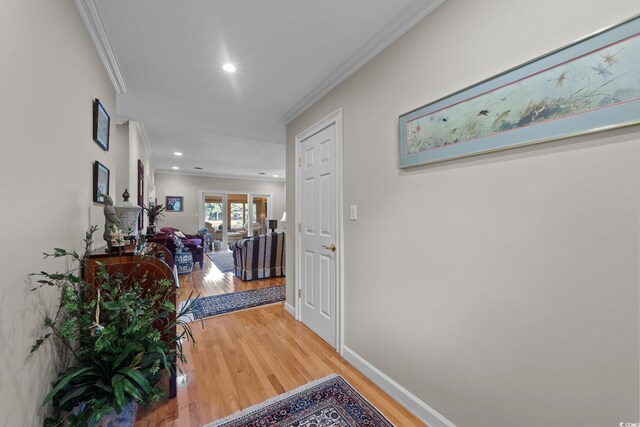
244,358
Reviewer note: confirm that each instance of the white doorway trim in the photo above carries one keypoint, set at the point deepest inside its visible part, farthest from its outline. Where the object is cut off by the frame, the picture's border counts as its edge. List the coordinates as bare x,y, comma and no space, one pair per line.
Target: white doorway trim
337,119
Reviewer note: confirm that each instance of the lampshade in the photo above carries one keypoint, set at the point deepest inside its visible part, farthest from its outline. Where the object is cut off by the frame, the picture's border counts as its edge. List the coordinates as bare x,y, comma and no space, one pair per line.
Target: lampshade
284,217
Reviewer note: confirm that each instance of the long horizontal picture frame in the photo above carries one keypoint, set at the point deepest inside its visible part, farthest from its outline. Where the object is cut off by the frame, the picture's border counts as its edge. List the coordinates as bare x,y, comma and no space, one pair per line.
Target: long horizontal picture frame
590,85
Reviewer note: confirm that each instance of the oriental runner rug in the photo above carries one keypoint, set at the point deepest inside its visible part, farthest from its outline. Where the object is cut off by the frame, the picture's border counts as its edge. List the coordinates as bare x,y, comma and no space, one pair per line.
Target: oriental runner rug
226,303
329,402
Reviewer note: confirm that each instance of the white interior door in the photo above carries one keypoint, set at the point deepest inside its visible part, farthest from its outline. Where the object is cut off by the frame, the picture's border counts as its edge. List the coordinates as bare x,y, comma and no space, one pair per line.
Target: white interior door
318,234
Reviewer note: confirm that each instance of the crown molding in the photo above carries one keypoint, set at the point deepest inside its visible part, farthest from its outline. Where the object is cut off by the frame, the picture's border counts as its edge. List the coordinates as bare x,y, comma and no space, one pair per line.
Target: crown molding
214,175
90,14
390,33
142,131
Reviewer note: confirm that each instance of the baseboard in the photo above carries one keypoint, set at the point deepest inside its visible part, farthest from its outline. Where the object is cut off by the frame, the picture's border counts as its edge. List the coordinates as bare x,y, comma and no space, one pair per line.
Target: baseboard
289,309
403,396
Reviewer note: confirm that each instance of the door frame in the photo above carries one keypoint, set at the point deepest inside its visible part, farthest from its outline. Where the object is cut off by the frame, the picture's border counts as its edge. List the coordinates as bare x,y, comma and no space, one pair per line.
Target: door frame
334,118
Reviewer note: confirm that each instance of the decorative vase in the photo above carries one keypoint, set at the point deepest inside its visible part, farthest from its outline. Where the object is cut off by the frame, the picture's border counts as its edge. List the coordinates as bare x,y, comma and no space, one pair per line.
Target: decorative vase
128,216
126,418
151,230
184,261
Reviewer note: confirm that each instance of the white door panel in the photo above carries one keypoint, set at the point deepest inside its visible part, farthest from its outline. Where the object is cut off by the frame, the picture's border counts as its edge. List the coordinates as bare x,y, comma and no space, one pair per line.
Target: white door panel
318,234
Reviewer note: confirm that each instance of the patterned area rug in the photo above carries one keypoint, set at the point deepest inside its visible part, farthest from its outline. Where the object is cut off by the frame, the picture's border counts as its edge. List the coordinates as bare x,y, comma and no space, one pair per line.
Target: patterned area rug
226,303
224,261
329,402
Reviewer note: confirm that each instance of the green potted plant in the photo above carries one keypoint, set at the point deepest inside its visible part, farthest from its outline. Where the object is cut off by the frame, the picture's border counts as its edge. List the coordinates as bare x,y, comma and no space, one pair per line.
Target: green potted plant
154,213
114,352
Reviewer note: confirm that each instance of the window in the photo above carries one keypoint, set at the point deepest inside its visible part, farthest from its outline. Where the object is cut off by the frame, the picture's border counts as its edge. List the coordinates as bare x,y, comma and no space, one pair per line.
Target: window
213,212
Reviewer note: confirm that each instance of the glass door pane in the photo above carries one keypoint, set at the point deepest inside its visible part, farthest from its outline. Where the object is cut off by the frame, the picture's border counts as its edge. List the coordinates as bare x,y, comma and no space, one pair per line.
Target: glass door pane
214,218
238,214
213,213
260,204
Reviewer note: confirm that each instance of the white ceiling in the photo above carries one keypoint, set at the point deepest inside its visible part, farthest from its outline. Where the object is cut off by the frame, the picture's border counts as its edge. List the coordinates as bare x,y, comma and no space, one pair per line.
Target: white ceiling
165,58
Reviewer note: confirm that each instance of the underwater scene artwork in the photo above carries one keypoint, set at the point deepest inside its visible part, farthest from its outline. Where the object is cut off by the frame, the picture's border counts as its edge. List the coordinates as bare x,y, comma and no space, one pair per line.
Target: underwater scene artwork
594,79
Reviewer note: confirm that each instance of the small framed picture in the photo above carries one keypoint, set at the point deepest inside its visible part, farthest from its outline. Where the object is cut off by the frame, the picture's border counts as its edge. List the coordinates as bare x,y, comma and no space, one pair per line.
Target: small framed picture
175,203
100,181
101,122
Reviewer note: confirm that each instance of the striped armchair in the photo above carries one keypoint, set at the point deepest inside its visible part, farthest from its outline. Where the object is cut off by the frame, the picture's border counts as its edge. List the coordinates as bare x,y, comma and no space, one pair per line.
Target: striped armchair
259,257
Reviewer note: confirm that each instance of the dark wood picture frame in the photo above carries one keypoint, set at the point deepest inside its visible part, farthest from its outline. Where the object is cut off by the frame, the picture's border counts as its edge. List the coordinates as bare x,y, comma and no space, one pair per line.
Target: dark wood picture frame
99,182
171,203
101,125
140,193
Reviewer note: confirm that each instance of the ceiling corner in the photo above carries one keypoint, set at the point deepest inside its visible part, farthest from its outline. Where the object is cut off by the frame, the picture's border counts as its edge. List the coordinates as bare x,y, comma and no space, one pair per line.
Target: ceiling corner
390,33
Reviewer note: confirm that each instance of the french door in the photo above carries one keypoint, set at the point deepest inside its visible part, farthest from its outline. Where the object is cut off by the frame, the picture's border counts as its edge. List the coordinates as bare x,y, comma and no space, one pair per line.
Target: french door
230,216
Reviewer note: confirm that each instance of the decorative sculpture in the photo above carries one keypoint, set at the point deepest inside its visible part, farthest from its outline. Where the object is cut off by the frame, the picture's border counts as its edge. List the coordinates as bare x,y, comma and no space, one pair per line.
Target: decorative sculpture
111,222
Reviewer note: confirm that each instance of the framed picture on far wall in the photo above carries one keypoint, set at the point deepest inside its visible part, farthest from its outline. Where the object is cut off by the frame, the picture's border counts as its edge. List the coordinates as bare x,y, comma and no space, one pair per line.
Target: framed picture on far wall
100,181
101,122
175,203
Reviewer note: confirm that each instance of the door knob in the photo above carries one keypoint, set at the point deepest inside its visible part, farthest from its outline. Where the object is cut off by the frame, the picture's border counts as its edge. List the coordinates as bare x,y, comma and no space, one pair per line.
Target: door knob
331,247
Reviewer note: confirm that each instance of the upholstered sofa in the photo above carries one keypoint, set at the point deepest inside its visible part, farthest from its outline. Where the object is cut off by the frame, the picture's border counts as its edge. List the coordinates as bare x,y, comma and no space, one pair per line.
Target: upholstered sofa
193,238
259,257
191,242
234,234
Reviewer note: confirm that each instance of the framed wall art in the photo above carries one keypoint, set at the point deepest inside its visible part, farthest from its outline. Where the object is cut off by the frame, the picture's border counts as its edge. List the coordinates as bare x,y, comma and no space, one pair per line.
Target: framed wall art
175,204
591,85
100,181
101,123
140,193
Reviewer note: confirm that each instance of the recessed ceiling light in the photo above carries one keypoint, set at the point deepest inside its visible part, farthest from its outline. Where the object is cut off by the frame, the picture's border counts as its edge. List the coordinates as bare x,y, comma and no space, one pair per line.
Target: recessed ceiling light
197,167
275,176
229,67
177,153
175,168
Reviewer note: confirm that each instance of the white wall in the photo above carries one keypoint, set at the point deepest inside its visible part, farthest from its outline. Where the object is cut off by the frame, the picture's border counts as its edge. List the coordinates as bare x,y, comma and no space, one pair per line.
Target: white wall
122,164
189,186
502,289
50,74
138,151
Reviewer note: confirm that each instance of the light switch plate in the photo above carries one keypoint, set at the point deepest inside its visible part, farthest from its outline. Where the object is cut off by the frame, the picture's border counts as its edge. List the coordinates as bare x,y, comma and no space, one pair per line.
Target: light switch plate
354,213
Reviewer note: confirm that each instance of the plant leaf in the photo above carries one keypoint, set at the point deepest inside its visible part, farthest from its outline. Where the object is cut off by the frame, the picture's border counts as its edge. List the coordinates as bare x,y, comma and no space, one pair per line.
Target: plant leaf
118,393
131,389
136,360
138,378
63,382
104,387
120,358
75,392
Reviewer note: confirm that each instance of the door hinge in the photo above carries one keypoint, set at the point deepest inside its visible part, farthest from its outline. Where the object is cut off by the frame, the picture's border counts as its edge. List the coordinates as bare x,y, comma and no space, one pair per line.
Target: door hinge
299,162
299,226
300,293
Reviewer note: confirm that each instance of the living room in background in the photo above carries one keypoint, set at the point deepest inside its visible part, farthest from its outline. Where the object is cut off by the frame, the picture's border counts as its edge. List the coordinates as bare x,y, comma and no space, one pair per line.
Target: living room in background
231,216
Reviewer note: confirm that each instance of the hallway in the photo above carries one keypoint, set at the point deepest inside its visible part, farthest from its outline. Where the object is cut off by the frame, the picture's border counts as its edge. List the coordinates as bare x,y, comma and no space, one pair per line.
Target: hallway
245,358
